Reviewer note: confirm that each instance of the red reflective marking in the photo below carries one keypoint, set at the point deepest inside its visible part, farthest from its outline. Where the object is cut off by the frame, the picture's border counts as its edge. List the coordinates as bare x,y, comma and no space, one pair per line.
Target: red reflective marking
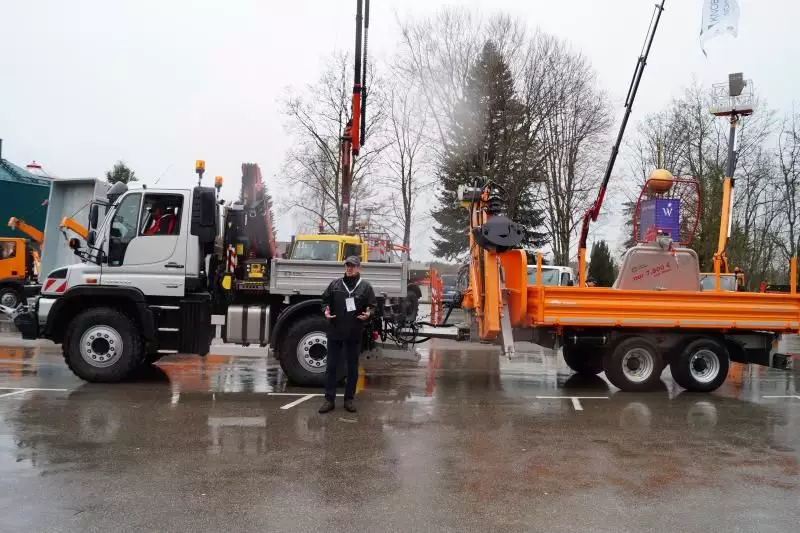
48,283
62,287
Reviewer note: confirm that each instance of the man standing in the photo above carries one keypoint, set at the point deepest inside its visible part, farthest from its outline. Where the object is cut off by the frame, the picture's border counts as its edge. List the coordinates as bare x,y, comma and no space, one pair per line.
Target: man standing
347,303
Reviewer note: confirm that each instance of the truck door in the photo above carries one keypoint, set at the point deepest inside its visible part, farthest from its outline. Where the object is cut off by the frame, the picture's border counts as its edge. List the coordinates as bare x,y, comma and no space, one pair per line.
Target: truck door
147,244
12,263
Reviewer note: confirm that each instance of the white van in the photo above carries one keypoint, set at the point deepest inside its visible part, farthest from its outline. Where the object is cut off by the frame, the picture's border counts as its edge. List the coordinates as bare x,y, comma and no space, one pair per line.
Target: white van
553,276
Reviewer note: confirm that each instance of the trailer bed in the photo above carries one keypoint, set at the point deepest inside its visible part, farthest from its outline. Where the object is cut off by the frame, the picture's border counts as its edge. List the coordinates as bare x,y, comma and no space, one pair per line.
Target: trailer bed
604,307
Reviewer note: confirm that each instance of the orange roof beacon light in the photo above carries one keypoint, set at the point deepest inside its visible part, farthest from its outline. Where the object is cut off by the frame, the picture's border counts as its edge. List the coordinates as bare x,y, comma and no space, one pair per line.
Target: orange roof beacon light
199,168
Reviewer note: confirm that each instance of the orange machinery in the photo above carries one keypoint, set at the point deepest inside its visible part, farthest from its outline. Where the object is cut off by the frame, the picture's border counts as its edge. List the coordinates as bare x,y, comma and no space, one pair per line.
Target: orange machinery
626,332
655,315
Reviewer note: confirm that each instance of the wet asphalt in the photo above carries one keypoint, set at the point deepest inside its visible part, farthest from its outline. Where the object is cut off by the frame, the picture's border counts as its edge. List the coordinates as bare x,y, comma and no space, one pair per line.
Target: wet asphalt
451,438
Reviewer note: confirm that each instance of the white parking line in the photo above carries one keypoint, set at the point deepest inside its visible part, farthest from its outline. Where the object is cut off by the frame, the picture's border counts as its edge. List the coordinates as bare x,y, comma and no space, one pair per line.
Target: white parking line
299,401
31,388
795,397
13,393
576,400
21,390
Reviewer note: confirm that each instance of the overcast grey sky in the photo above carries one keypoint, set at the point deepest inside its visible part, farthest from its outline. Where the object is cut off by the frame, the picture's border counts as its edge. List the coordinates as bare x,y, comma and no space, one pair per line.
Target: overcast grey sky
160,83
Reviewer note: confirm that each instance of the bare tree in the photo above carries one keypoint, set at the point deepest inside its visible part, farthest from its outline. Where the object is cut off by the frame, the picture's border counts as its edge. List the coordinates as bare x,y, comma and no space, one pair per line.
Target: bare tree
405,157
317,121
571,136
694,145
566,117
788,157
439,51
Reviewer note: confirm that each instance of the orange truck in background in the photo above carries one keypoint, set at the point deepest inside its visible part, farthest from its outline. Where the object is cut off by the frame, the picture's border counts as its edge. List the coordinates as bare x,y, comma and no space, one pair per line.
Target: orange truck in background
20,259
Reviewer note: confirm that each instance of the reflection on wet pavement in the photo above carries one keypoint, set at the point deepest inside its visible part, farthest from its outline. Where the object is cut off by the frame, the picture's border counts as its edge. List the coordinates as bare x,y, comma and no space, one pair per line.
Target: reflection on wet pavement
460,439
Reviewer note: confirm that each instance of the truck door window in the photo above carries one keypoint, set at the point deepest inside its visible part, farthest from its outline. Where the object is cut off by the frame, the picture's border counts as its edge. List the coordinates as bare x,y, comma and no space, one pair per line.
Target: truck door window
8,250
351,249
123,228
161,214
565,279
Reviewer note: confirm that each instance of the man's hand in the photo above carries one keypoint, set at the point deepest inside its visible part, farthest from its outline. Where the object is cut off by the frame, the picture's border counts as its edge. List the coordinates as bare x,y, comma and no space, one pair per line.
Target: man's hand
365,315
328,314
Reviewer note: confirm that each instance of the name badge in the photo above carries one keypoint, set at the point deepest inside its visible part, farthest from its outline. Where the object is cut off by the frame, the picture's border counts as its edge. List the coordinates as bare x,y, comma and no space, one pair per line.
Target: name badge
350,304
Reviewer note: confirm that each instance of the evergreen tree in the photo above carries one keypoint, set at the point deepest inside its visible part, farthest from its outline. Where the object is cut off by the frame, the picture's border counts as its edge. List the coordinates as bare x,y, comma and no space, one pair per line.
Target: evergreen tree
601,265
488,139
122,173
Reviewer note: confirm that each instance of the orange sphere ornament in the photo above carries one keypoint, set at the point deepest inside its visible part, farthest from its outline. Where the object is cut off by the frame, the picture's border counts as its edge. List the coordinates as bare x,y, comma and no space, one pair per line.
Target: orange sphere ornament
660,181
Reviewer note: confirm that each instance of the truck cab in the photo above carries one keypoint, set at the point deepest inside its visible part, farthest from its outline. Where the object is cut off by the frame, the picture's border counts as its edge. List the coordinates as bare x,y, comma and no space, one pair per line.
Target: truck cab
328,247
17,270
552,276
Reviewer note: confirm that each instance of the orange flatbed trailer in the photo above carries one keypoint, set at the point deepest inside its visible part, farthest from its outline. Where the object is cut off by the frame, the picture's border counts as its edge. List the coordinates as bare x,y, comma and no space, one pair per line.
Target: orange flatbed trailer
630,334
720,311
656,314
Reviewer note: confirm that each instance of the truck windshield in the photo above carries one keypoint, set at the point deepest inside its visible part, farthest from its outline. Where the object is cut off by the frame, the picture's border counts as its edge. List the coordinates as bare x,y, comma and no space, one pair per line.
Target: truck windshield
316,250
550,276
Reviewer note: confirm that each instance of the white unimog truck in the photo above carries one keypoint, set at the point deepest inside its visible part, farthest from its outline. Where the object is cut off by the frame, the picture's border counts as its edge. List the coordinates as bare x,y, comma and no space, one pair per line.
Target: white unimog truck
161,272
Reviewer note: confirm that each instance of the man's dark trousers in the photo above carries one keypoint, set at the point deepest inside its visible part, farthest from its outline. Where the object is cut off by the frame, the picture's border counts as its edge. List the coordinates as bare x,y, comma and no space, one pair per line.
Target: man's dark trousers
351,349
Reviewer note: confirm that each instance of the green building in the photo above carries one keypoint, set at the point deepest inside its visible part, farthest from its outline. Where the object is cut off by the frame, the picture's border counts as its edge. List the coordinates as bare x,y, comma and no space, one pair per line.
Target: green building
22,195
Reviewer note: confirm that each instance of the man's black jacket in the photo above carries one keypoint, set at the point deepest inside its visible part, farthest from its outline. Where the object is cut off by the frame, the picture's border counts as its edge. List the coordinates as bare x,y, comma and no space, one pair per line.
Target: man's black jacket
346,324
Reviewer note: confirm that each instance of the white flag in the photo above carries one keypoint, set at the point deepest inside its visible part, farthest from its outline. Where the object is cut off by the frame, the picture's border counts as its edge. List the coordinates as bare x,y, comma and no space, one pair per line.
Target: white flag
719,17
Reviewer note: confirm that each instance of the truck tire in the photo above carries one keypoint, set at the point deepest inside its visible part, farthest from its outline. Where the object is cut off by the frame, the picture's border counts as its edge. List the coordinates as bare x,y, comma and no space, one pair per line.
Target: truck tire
635,365
10,296
702,366
102,345
582,361
304,352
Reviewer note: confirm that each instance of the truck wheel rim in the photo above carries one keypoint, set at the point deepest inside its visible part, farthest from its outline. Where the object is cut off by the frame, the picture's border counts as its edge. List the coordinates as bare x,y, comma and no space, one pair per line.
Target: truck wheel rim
9,299
638,365
101,346
704,366
312,352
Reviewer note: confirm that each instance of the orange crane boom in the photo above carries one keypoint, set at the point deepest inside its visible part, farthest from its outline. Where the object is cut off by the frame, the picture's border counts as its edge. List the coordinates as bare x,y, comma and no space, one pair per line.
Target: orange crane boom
20,225
74,226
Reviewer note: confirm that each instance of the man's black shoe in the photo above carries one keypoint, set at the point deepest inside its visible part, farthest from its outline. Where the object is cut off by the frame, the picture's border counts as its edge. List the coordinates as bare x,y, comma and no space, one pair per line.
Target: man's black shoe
327,407
349,407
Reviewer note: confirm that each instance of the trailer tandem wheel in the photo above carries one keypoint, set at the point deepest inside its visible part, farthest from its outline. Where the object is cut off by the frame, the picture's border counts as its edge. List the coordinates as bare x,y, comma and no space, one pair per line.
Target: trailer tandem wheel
634,365
702,366
582,360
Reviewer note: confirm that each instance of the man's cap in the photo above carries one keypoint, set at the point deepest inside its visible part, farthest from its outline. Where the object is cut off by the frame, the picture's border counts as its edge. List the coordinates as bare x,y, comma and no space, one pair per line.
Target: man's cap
353,260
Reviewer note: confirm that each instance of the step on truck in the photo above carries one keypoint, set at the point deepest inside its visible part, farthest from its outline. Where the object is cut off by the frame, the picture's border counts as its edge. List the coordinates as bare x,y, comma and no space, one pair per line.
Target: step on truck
164,268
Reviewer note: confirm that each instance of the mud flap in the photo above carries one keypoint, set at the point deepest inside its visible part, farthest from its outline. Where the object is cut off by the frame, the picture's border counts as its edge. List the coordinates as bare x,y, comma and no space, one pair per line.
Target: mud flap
28,325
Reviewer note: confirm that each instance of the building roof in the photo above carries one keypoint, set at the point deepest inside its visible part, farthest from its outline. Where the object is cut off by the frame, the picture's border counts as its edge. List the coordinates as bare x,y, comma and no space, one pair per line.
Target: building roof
11,172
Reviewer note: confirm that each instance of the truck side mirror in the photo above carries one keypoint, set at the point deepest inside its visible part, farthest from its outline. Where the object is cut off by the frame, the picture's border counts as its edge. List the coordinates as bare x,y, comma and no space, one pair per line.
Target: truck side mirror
90,238
94,215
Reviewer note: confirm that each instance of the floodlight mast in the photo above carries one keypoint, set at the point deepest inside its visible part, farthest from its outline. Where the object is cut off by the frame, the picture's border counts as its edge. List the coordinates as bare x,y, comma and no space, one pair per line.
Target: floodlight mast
734,100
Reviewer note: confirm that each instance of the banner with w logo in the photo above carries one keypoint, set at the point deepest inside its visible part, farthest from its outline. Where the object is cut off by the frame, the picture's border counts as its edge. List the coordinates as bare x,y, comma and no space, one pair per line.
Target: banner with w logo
719,17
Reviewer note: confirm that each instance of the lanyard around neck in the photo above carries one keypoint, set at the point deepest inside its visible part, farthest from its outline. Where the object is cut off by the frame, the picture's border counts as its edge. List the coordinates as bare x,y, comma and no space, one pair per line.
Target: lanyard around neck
349,292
